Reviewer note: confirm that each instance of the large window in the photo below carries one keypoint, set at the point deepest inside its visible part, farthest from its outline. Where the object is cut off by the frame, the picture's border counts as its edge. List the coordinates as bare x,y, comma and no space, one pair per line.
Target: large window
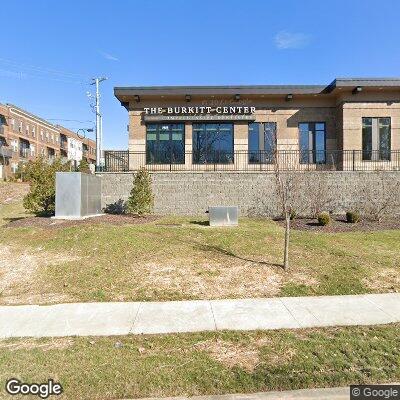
376,138
312,142
2,124
262,142
165,144
212,143
24,148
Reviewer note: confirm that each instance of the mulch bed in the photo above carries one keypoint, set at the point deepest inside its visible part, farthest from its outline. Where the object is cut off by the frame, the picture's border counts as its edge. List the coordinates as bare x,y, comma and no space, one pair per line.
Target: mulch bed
50,223
339,224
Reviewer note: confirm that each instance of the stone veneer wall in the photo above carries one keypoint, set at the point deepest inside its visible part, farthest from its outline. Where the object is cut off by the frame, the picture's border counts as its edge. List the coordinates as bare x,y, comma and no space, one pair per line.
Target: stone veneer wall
190,193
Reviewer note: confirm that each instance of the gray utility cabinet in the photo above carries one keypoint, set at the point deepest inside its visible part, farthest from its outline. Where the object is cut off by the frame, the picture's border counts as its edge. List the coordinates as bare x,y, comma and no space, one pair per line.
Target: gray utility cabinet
223,216
78,195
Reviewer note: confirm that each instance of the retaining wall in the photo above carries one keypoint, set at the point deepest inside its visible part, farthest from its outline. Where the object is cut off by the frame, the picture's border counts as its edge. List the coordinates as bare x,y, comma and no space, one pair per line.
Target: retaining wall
191,193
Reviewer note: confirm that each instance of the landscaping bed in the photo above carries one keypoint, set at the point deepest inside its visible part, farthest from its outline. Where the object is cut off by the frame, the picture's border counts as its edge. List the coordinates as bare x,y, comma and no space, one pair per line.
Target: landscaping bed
51,223
206,363
339,224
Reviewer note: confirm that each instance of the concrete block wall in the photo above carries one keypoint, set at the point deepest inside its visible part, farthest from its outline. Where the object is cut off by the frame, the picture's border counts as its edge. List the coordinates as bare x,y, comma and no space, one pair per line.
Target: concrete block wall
191,193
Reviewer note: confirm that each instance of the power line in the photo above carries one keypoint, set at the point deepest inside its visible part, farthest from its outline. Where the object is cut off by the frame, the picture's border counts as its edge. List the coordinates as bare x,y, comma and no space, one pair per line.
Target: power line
26,70
69,120
43,70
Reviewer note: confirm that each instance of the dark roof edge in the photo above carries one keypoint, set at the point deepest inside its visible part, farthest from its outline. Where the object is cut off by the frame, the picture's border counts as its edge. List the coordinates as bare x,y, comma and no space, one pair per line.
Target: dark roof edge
371,82
217,87
255,89
218,90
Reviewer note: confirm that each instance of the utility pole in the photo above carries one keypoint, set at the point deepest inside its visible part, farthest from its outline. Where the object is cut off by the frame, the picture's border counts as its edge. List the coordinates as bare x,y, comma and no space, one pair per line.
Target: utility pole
99,133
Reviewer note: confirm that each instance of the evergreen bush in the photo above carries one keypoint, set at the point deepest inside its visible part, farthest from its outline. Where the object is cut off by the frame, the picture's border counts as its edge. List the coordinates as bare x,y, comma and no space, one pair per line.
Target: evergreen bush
41,175
324,218
141,199
84,166
352,217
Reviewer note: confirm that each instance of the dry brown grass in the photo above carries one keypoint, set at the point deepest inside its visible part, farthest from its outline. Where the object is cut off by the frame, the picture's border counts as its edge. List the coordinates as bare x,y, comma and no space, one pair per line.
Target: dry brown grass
11,192
31,343
244,355
231,354
17,268
213,280
383,280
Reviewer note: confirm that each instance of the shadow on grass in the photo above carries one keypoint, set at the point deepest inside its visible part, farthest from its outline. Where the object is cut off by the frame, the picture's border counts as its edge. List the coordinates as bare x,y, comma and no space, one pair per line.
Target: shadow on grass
217,249
313,224
202,223
12,219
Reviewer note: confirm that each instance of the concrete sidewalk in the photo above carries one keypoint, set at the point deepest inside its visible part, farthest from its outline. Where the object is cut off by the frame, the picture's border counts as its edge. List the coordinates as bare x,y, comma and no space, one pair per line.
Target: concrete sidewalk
338,393
98,319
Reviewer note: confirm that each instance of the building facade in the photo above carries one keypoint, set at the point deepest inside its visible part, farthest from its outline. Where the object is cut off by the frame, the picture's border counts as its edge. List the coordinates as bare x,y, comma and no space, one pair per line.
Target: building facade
350,124
25,136
75,148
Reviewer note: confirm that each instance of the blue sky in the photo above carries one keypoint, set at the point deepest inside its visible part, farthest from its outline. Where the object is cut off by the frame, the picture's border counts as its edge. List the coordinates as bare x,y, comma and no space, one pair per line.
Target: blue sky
51,49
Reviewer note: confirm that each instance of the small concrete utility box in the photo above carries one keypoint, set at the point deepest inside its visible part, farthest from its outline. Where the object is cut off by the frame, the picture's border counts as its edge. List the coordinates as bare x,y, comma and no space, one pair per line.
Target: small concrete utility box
78,195
223,216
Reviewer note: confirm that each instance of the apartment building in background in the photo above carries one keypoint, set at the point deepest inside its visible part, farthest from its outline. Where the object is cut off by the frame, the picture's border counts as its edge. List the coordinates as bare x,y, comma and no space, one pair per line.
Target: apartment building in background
25,136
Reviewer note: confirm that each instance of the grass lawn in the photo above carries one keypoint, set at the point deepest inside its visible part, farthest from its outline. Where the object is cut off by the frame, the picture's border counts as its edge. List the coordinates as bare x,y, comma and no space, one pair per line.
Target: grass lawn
11,195
206,363
181,258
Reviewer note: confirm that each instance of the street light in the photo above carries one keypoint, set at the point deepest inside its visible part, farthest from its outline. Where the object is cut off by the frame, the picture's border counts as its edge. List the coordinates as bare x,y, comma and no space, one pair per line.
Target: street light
99,130
84,130
83,137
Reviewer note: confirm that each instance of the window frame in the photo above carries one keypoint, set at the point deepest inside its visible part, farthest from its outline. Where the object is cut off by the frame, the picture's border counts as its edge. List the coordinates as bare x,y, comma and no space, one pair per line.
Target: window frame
375,153
157,159
198,161
313,151
264,156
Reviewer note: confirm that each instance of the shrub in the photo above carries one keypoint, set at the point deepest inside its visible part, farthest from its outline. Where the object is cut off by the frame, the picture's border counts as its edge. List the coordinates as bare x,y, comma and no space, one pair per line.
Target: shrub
20,173
141,199
42,191
293,214
84,166
324,218
352,217
118,207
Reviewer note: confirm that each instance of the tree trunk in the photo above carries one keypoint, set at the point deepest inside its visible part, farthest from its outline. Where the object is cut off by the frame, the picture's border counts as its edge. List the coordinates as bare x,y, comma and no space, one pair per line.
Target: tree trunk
287,234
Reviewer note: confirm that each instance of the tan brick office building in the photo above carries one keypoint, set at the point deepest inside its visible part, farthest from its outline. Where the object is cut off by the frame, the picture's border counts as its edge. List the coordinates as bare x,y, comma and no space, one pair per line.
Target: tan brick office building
348,124
25,136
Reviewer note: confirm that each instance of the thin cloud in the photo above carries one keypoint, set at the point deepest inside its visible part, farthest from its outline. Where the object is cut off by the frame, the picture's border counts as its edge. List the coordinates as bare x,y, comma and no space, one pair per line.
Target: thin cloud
289,40
108,56
12,74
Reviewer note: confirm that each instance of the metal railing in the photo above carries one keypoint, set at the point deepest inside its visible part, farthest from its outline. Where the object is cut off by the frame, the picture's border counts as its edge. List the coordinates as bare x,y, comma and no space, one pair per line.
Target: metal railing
24,152
5,151
253,161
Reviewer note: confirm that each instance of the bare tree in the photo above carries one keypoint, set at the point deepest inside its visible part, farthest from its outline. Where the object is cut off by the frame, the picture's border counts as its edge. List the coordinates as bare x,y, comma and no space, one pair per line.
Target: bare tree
379,199
319,196
288,182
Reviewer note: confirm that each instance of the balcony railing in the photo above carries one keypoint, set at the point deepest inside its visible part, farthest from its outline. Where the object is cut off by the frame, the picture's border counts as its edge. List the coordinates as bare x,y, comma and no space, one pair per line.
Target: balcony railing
24,152
258,161
6,152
